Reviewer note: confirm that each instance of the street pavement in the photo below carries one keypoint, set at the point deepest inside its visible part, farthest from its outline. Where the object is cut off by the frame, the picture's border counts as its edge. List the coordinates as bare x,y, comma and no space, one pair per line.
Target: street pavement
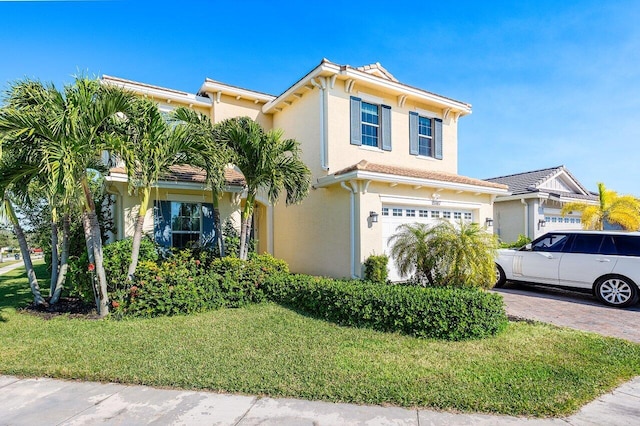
58,402
5,269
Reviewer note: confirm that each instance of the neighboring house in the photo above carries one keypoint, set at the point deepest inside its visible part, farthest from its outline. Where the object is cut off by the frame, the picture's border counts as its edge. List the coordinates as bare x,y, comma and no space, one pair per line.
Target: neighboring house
381,153
533,207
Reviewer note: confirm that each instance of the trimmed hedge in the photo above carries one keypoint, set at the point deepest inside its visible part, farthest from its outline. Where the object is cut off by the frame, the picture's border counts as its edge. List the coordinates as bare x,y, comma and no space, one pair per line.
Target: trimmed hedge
442,313
184,285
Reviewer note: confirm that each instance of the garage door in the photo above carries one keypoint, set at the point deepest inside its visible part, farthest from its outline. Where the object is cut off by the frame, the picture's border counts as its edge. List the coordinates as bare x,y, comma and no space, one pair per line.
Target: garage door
394,216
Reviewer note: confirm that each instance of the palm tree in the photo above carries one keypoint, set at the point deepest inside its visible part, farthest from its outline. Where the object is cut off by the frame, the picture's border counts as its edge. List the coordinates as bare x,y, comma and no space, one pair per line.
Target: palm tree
623,210
149,146
268,162
411,250
68,127
446,254
211,155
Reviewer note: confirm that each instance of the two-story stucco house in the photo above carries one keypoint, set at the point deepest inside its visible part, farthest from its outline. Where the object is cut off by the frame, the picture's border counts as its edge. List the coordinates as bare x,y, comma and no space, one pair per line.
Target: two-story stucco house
382,153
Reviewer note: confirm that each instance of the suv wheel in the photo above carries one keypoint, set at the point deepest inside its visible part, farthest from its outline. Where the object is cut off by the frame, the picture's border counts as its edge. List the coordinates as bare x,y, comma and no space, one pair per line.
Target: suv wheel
501,278
616,290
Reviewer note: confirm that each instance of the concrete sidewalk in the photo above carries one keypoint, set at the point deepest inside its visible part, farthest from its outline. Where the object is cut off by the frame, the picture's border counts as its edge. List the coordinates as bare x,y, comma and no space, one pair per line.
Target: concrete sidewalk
58,402
5,269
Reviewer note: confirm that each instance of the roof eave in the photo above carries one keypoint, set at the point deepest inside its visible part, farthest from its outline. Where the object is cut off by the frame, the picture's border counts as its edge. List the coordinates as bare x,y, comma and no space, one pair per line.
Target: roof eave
215,87
327,181
157,93
327,68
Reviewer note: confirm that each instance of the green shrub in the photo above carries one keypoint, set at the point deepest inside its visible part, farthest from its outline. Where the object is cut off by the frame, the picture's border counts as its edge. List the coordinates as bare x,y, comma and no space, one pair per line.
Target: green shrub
183,284
117,257
433,312
520,242
375,268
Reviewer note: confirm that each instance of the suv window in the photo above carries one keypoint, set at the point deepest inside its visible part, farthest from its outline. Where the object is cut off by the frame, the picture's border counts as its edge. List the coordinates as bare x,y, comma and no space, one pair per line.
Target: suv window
550,242
586,243
627,245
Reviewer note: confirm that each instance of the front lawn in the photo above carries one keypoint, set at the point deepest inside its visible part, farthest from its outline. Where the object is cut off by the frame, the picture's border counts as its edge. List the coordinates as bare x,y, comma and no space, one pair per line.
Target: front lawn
530,369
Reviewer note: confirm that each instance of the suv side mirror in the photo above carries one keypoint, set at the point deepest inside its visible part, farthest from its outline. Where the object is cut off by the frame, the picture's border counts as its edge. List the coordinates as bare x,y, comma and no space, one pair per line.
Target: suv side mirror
526,247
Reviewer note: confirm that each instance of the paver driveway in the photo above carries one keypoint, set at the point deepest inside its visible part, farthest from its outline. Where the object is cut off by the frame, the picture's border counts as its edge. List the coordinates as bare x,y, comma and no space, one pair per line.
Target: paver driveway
570,309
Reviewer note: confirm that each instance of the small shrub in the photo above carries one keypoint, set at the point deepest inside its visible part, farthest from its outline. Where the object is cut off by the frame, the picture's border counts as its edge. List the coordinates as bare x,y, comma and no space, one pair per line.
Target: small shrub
184,284
520,242
117,257
375,268
433,312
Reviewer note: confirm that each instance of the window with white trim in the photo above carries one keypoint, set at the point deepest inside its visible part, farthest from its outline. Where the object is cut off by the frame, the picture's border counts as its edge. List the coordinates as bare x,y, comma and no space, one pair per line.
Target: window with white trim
385,211
446,215
468,216
457,215
397,212
423,213
435,214
425,137
370,124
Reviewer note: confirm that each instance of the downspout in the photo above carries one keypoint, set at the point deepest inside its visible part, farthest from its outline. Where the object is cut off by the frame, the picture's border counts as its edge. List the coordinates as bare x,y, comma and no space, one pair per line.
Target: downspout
526,217
352,227
322,87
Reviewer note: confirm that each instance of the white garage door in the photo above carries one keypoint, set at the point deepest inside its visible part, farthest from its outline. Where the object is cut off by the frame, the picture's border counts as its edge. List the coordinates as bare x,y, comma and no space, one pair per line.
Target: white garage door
394,216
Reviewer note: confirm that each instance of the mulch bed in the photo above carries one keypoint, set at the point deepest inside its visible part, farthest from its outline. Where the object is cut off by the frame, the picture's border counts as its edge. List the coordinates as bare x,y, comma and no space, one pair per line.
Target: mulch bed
71,307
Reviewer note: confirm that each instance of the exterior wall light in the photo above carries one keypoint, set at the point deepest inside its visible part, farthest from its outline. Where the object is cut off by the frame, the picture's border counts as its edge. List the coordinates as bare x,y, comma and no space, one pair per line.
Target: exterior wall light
373,216
542,223
488,222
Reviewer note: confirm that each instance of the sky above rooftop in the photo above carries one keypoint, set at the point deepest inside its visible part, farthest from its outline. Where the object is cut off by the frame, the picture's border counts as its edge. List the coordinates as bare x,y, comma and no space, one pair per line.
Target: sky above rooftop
551,83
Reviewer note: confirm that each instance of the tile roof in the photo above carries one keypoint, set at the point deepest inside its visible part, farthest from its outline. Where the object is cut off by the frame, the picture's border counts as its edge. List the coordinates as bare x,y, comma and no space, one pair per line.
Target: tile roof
418,173
528,182
186,173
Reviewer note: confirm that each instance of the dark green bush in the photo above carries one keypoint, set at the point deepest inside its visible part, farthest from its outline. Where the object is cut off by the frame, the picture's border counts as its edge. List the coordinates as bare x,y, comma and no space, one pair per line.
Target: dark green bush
375,268
117,256
183,284
441,313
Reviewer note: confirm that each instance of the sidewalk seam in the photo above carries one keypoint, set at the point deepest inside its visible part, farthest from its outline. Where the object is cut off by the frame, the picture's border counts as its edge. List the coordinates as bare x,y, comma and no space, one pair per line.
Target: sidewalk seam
90,407
253,404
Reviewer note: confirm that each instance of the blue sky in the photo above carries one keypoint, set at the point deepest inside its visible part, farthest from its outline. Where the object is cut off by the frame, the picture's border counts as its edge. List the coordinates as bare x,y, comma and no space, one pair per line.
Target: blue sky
551,83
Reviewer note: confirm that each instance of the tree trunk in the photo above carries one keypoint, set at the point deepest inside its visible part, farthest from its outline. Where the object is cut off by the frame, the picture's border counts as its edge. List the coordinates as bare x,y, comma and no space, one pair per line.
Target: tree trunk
245,226
64,259
92,230
88,237
26,256
54,257
103,297
137,234
216,223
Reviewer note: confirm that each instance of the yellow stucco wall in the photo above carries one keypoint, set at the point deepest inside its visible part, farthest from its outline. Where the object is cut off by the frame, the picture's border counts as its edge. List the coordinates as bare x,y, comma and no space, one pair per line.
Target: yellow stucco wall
342,154
313,237
230,107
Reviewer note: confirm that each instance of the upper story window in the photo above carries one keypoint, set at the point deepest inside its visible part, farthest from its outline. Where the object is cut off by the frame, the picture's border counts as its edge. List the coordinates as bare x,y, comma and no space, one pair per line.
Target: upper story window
370,124
425,136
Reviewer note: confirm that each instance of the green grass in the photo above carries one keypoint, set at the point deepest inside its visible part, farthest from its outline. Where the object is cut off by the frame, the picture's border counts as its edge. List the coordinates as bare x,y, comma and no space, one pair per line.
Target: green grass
531,369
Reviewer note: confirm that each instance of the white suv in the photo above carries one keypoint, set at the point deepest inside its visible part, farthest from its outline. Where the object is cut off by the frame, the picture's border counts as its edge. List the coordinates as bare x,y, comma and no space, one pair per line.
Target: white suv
605,262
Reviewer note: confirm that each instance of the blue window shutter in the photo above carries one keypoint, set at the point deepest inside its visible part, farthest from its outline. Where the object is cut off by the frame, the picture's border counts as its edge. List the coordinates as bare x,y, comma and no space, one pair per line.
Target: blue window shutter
437,137
208,228
356,121
413,133
162,223
386,127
